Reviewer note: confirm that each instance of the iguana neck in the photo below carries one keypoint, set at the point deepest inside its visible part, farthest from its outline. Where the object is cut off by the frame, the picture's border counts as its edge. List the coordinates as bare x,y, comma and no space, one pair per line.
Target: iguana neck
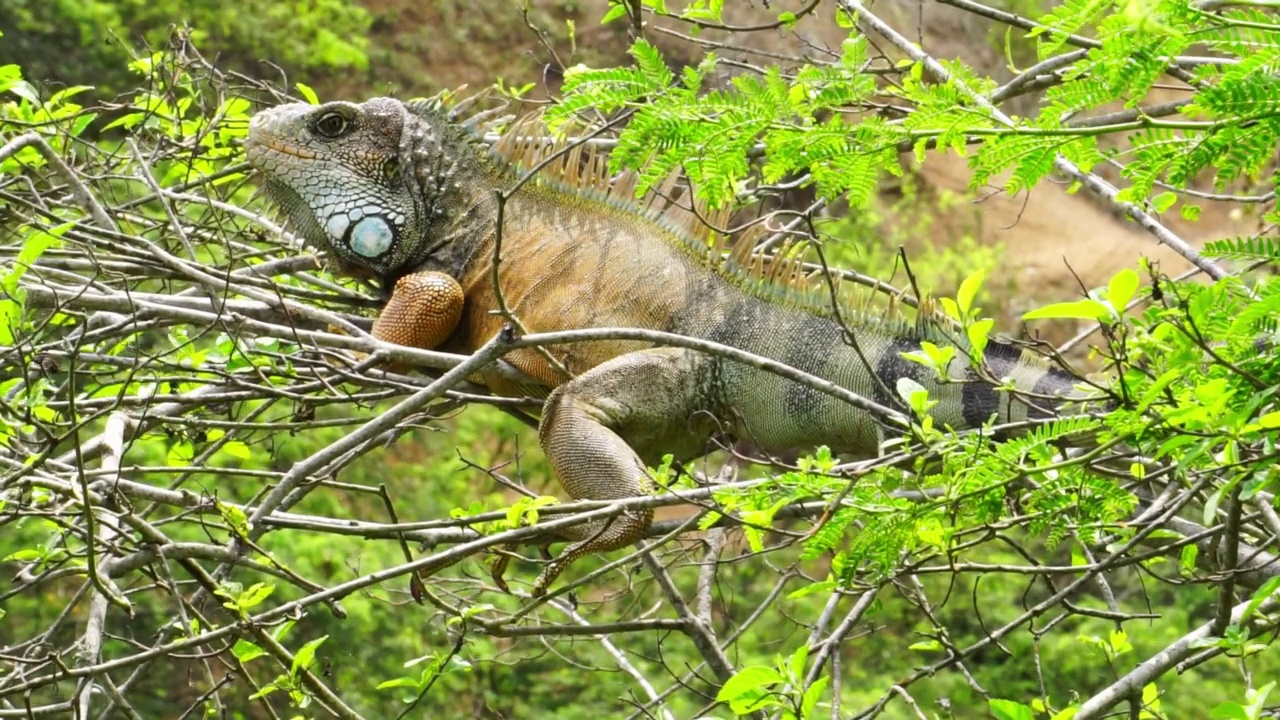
463,239
458,185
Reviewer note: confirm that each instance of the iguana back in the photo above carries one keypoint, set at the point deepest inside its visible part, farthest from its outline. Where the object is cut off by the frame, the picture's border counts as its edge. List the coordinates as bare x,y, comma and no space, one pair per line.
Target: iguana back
404,194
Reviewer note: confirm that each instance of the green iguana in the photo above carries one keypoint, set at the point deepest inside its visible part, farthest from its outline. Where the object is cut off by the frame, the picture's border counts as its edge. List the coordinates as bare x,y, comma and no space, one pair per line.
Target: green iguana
403,193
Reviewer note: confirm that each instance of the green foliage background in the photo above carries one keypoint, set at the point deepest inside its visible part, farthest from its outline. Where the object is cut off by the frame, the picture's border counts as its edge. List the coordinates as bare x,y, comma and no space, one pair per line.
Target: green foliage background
423,473
89,41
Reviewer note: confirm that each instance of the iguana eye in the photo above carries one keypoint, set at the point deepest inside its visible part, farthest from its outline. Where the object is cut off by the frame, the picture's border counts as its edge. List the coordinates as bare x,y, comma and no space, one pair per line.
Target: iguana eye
391,170
331,125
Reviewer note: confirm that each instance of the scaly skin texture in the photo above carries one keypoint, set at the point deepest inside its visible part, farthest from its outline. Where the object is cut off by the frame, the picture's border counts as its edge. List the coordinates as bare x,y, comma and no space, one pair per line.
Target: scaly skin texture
402,194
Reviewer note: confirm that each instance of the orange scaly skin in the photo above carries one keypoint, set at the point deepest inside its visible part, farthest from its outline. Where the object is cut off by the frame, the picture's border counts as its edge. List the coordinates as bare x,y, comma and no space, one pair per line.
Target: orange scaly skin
423,311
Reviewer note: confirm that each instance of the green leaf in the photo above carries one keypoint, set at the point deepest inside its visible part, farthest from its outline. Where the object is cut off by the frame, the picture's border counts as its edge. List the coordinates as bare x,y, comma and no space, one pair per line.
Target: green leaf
1270,420
1230,711
306,655
246,651
408,682
614,13
825,586
926,646
282,629
1010,710
1121,289
979,334
25,90
1187,559
265,691
1163,201
255,595
1080,309
798,659
748,681
127,121
968,291
10,319
1211,505
237,450
66,94
915,395
811,696
26,555
1264,592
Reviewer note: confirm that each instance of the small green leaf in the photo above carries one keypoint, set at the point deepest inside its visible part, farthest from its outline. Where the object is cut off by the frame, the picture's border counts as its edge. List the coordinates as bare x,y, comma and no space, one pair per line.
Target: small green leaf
306,655
979,334
825,586
127,121
246,651
1211,506
926,646
812,696
307,93
1270,420
1267,589
746,681
265,691
398,682
25,90
614,13
1121,289
237,450
1082,309
283,629
1187,559
1119,643
1010,710
1163,201
1229,711
915,395
1190,213
968,291
748,691
798,659
22,556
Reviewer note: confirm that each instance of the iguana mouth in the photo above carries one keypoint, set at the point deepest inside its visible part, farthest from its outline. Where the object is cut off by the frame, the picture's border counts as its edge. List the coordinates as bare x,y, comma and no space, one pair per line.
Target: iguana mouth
276,146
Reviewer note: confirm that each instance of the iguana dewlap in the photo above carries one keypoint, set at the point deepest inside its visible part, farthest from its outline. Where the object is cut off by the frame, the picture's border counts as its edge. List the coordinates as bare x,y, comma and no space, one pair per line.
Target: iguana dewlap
401,192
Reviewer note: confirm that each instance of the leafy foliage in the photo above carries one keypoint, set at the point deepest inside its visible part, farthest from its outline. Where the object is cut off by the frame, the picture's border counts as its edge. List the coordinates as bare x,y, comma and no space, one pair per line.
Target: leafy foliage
1077,547
798,125
50,37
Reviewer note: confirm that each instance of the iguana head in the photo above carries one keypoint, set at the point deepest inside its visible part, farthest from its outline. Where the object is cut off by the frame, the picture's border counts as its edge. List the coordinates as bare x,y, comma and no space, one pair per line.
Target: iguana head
368,182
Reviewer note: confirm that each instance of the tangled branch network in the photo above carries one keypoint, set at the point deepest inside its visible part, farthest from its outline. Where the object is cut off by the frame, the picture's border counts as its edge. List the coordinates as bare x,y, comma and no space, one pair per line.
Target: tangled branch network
165,333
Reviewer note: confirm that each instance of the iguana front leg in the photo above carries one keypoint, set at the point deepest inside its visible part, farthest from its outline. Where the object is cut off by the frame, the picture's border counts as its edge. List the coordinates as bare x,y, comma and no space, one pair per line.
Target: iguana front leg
601,429
423,311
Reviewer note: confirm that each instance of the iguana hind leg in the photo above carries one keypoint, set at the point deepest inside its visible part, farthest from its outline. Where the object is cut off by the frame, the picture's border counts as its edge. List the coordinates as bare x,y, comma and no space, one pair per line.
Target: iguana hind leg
601,429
